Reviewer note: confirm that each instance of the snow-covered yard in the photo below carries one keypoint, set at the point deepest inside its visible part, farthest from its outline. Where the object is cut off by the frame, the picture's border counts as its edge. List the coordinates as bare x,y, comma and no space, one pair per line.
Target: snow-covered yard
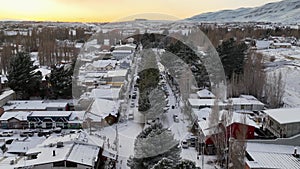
287,61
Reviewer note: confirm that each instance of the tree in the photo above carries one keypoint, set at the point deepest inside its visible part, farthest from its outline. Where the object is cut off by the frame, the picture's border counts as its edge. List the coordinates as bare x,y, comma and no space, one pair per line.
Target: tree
274,90
253,79
185,164
61,81
232,55
164,163
22,77
152,145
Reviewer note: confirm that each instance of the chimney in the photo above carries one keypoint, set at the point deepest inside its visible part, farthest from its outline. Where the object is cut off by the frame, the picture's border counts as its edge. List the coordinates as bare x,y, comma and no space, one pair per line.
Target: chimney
53,152
296,153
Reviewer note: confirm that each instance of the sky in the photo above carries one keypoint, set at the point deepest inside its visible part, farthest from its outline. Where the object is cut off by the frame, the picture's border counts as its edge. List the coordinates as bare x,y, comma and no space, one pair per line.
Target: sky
113,10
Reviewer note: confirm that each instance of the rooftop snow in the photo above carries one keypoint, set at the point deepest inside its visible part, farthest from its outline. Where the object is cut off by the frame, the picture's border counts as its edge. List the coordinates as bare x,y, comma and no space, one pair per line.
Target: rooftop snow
272,156
284,115
205,93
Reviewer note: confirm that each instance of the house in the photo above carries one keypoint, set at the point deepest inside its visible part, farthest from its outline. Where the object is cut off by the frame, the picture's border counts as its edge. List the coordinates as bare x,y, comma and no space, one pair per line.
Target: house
52,119
6,96
205,94
14,120
284,122
262,44
36,105
280,45
120,54
237,126
116,78
271,156
242,103
101,65
104,93
106,111
69,151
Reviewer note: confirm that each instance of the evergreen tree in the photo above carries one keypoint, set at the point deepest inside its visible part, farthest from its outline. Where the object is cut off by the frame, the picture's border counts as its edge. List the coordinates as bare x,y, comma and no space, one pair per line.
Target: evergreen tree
232,55
186,164
153,144
61,81
22,77
164,164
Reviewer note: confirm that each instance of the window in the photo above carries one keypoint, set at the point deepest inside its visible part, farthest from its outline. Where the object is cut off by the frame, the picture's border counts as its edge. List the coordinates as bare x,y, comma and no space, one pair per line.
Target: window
71,164
59,164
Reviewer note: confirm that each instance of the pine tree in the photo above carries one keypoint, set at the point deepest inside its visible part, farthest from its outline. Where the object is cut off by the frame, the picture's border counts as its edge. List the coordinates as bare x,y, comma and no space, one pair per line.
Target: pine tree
185,164
21,76
232,55
164,164
61,81
153,144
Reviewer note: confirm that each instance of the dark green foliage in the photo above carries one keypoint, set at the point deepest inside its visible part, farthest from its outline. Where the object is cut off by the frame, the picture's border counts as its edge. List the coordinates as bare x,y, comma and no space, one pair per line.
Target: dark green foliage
148,80
232,55
187,54
22,78
152,145
164,164
185,164
61,81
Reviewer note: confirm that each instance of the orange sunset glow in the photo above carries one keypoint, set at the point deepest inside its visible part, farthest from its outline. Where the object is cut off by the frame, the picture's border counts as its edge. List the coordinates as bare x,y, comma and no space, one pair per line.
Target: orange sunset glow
111,10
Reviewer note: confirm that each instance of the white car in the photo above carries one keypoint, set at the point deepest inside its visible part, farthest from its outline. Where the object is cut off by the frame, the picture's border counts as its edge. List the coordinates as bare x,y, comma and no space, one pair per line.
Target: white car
184,144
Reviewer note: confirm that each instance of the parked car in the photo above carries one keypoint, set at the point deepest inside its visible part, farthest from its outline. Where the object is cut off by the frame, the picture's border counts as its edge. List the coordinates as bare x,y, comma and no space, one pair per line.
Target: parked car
57,130
133,96
132,105
184,144
26,134
175,117
130,116
6,134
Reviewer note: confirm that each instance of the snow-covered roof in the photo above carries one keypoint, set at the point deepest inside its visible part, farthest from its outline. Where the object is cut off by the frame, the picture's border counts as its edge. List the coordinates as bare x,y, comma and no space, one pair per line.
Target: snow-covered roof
262,44
25,105
204,102
50,114
20,146
284,115
202,113
282,44
84,154
272,156
33,105
117,73
20,115
6,93
204,93
104,63
103,107
57,104
112,93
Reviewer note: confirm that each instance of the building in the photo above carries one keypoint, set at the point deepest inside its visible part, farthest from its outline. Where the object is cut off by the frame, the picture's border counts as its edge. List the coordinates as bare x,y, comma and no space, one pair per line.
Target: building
69,151
244,102
52,119
205,94
36,105
116,78
6,96
237,126
271,156
283,122
14,120
280,45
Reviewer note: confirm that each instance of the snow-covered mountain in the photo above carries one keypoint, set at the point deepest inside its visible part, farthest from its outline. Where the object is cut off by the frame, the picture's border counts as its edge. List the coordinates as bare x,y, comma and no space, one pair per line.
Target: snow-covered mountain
286,11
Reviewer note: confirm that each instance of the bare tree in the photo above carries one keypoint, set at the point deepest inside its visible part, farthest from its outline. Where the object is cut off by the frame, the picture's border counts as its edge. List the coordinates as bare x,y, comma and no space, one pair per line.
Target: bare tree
253,79
274,90
237,147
